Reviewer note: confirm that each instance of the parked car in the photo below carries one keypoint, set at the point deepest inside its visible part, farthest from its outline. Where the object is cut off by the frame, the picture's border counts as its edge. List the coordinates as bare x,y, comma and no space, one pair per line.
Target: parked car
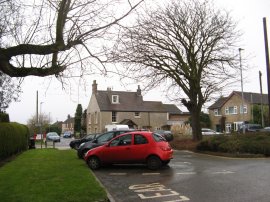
100,140
265,129
74,144
134,147
249,127
208,131
67,134
52,136
166,134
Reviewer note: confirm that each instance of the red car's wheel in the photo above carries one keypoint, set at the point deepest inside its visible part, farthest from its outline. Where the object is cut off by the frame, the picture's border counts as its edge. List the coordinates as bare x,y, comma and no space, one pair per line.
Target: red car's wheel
154,162
93,163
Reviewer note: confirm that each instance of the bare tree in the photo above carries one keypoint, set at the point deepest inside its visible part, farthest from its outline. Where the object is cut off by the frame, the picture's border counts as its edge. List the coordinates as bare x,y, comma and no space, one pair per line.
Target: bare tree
46,37
187,44
9,91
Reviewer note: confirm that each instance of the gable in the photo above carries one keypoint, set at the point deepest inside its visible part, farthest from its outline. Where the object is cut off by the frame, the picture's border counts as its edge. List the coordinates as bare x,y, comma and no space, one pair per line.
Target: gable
252,98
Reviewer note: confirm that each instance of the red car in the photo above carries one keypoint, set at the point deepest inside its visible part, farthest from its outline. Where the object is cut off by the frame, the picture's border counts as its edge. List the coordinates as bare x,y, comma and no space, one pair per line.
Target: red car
133,147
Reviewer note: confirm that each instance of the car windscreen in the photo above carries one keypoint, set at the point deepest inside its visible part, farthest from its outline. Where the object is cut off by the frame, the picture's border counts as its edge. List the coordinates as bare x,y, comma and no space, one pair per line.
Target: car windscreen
105,137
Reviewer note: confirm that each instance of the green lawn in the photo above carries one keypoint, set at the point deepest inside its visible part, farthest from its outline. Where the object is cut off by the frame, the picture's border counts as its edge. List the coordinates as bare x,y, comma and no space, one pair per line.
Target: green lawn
51,175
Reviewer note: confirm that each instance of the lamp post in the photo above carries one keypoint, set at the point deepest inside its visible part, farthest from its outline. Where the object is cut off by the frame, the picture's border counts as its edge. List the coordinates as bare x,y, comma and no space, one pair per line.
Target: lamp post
40,123
241,70
49,121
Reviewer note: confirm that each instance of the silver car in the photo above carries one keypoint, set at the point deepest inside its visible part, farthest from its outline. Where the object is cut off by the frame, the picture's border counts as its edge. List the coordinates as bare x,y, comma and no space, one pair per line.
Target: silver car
208,131
52,136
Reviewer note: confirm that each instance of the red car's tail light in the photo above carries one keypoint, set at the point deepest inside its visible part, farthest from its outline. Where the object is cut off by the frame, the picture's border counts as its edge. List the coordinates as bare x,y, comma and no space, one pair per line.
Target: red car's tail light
165,148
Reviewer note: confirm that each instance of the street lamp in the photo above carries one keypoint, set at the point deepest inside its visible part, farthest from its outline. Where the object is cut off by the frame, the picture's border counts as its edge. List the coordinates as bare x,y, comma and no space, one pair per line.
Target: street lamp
241,70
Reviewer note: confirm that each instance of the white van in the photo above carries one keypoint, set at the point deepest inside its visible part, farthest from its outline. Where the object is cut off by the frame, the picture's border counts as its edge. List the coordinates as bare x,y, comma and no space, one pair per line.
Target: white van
116,127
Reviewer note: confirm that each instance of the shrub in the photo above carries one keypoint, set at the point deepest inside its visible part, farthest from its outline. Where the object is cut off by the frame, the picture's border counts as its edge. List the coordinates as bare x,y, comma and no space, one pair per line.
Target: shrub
252,143
4,117
14,138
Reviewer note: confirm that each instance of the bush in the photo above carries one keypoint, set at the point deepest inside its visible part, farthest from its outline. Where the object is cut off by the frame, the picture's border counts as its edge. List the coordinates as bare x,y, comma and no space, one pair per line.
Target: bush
252,143
4,117
14,138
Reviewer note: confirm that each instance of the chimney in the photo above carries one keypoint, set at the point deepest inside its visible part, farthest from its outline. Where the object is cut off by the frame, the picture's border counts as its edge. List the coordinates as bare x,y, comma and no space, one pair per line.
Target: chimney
94,87
139,92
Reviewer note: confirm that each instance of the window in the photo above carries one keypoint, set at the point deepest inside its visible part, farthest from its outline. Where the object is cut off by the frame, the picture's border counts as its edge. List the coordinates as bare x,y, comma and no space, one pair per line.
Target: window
89,118
158,138
96,117
139,139
217,112
122,141
114,117
115,99
105,137
231,110
137,114
241,109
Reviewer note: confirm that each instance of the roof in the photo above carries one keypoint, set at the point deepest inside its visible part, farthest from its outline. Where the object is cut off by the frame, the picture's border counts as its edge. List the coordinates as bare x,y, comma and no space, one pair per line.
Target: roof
69,120
219,103
131,101
252,98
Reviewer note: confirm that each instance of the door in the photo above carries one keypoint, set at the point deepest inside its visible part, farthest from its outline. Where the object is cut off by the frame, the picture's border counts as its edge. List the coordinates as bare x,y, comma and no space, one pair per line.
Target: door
118,150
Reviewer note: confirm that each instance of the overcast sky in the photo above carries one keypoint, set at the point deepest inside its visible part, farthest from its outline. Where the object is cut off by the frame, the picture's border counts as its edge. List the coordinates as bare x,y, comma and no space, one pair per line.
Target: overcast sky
59,103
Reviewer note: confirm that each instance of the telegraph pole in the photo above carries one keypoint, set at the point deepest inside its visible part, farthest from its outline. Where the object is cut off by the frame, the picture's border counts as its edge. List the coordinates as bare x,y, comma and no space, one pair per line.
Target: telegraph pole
267,64
37,110
260,78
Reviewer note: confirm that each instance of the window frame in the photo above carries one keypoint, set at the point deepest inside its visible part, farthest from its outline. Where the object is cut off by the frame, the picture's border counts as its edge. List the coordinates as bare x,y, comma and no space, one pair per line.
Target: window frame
217,112
137,114
114,117
115,99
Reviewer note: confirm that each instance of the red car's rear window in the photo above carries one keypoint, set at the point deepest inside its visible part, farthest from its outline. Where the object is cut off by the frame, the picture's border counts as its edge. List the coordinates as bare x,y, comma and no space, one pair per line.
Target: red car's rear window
158,138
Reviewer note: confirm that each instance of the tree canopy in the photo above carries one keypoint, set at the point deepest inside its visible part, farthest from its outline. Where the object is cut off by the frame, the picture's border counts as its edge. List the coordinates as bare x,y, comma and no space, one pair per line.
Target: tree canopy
9,91
189,45
46,37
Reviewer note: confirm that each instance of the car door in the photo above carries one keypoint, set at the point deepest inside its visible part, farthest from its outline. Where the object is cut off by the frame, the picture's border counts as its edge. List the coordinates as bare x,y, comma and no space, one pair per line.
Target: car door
119,150
139,148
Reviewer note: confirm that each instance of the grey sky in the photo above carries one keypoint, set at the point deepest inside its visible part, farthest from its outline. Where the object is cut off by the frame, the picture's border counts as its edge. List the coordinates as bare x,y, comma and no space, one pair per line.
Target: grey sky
59,103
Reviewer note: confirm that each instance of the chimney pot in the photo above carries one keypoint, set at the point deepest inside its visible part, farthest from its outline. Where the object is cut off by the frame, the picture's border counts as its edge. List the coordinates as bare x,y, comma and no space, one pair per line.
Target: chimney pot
94,87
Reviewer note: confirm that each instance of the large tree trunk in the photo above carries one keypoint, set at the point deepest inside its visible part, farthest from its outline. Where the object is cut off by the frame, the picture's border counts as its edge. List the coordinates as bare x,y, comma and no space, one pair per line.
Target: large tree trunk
195,111
196,124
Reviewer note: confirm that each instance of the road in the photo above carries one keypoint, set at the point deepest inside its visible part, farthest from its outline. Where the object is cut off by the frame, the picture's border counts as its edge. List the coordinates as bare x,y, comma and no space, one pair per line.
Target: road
191,177
63,144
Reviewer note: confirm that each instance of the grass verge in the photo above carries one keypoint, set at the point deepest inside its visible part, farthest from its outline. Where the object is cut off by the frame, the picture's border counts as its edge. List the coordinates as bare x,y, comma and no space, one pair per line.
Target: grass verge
48,175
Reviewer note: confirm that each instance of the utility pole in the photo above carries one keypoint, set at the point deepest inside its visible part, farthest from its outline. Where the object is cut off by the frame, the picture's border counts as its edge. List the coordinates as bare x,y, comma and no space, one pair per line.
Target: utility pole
241,70
37,110
267,64
260,78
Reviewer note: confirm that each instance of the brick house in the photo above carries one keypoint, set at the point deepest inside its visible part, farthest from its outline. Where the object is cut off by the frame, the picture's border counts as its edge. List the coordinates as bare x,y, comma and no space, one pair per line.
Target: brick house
226,113
121,107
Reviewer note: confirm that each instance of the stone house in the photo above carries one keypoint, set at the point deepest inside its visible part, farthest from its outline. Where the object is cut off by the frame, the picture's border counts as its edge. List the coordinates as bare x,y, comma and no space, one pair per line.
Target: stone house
68,124
227,113
122,107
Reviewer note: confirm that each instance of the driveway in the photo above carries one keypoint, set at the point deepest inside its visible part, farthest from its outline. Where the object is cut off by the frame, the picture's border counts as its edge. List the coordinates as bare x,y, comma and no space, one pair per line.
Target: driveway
191,177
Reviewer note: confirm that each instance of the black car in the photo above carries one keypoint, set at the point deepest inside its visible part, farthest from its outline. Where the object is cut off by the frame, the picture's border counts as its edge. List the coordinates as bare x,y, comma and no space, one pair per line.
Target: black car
166,134
74,144
100,140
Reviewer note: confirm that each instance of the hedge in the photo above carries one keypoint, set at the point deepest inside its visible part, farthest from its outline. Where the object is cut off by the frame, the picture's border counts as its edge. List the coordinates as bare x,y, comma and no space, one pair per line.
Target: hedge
14,138
4,117
252,143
